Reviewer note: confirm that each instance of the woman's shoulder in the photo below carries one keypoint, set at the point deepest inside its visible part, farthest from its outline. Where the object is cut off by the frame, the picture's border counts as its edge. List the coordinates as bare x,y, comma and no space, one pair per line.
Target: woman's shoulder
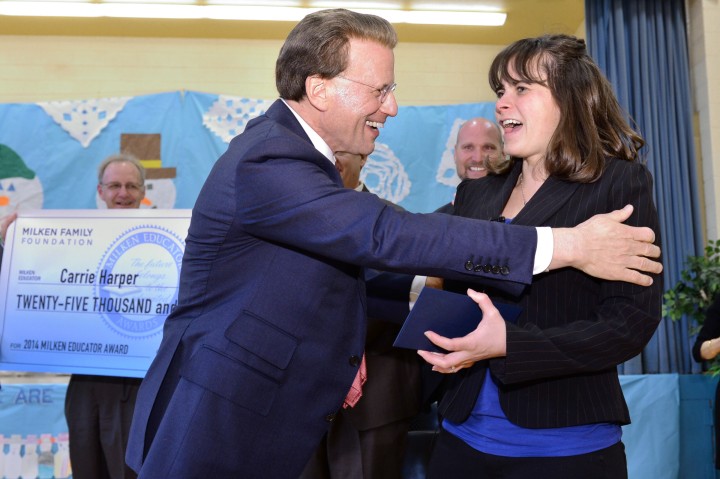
484,183
617,166
622,173
478,194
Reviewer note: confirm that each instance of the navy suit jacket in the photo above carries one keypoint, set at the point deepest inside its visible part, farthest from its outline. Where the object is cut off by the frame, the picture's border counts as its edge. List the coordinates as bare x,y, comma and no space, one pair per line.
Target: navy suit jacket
270,324
573,331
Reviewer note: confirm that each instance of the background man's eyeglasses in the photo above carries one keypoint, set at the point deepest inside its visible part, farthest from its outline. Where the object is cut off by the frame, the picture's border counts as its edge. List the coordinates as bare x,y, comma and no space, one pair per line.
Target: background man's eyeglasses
129,187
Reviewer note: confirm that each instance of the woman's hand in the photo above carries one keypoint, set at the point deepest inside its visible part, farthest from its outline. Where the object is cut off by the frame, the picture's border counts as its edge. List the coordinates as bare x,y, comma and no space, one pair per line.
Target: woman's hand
488,340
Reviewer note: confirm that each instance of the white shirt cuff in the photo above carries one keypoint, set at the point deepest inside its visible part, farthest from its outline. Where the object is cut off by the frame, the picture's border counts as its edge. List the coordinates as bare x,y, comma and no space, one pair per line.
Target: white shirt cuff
416,287
544,251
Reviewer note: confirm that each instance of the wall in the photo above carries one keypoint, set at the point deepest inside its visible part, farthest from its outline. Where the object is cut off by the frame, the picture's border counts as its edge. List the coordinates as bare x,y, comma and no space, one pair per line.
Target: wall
34,68
704,27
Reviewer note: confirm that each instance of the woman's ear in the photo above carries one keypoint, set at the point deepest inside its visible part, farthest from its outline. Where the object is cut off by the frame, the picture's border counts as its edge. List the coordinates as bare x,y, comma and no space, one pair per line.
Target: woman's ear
317,91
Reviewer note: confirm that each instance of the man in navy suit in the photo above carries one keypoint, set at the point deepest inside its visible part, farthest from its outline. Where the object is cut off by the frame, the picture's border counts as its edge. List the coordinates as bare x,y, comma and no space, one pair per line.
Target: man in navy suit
269,331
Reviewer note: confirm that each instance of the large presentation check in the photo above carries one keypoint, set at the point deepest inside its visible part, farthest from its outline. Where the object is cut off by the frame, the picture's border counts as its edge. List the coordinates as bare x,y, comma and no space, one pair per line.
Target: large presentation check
88,291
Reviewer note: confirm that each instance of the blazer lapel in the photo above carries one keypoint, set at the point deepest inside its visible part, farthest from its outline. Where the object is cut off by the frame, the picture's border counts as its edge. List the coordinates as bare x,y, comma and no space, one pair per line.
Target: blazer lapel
498,202
551,196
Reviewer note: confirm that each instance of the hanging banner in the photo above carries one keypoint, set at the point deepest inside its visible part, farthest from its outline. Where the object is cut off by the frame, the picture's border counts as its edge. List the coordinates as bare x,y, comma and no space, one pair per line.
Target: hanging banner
88,291
34,440
178,136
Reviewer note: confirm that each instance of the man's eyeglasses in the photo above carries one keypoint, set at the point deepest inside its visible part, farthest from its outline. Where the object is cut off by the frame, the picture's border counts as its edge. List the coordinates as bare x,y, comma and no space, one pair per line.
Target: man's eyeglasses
384,92
129,187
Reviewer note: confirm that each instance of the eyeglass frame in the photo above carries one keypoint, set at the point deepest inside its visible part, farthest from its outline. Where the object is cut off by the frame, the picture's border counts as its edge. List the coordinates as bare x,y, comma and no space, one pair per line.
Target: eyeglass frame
384,92
116,186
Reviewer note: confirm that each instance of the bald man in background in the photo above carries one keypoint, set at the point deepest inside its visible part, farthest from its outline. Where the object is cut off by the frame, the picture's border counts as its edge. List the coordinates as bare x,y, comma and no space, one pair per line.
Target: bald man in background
478,150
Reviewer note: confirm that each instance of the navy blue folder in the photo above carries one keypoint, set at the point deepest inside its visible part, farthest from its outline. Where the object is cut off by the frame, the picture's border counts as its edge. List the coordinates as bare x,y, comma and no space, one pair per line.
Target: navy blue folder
449,314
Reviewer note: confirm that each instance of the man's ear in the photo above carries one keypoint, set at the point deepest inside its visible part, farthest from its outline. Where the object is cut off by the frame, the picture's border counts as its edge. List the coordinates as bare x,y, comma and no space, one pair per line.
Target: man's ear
317,92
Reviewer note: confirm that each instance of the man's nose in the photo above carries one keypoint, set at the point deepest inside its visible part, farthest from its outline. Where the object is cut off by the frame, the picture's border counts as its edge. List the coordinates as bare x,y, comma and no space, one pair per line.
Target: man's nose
390,106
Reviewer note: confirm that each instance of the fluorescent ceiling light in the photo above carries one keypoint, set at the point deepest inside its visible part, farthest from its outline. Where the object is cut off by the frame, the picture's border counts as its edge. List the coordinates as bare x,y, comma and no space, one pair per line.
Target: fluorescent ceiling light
449,5
250,3
440,17
234,12
146,10
355,4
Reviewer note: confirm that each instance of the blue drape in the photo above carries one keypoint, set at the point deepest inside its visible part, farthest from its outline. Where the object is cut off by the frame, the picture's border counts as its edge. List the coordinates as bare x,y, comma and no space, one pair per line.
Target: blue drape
641,46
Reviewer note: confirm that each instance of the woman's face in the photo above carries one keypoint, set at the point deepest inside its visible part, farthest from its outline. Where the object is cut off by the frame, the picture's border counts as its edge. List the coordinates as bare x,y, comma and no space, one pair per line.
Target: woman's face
528,115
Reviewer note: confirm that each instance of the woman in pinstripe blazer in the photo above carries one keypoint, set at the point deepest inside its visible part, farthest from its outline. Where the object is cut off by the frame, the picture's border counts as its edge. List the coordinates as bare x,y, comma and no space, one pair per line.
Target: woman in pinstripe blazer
540,397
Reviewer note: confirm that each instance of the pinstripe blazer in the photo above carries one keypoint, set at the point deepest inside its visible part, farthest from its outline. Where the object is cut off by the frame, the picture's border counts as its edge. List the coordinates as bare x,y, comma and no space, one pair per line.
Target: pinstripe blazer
560,369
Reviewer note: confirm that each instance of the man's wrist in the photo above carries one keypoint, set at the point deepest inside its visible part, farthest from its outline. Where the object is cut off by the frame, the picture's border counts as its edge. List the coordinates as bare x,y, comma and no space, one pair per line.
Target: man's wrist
563,248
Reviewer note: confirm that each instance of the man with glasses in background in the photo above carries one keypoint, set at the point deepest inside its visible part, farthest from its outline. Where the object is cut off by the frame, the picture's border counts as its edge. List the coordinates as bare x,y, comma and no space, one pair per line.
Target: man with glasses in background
99,409
267,340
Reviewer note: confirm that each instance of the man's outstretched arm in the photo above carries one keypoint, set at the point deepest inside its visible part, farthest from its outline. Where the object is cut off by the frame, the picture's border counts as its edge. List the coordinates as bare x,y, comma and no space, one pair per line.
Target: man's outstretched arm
606,248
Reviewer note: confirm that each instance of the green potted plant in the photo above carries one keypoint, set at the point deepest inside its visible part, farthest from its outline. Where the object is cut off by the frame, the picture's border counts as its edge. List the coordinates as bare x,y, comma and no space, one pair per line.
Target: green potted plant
698,286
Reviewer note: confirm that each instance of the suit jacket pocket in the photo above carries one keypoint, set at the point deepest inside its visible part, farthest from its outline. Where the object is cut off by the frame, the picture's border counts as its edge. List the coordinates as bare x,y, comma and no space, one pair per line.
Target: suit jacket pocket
263,339
231,379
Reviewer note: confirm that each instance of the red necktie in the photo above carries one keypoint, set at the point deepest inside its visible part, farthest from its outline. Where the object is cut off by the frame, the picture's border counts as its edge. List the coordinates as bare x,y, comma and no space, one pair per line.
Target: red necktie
353,395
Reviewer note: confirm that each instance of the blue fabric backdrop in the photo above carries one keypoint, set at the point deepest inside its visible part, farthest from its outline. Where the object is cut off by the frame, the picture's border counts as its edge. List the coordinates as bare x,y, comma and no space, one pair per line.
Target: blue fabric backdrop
62,143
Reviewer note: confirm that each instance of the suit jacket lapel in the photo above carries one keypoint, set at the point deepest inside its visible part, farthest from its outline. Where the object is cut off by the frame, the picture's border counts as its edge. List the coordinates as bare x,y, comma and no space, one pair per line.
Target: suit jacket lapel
280,113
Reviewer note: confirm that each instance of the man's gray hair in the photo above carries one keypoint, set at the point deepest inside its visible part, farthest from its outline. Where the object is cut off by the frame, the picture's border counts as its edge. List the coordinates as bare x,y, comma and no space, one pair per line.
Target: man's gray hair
121,158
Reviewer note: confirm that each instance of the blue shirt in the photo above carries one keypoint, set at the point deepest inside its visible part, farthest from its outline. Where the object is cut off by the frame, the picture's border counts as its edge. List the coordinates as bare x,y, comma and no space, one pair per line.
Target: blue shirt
488,430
